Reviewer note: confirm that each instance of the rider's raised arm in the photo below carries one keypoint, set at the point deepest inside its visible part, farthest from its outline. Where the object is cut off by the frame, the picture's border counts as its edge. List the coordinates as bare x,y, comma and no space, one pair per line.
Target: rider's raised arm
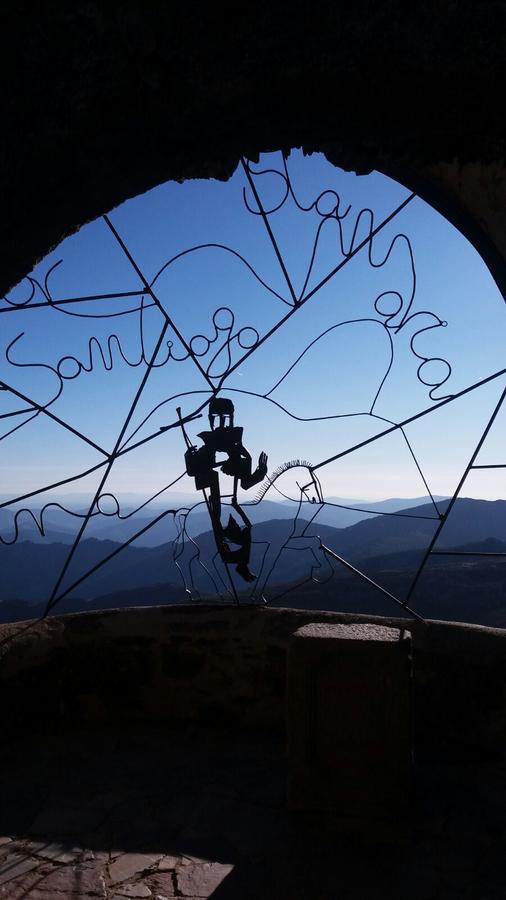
258,475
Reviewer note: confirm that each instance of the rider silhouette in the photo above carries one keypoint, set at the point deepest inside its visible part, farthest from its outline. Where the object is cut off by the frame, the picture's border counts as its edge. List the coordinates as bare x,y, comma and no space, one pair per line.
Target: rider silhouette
201,464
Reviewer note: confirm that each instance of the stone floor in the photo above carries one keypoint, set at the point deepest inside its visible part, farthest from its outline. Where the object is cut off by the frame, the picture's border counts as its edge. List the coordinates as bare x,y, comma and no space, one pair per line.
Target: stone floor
202,814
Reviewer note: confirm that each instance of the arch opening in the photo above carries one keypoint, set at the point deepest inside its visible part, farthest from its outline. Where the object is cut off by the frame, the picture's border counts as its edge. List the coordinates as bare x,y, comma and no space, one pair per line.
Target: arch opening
336,317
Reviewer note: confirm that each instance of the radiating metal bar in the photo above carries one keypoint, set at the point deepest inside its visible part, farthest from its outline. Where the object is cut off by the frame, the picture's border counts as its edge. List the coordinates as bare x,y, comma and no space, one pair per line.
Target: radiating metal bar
491,466
378,512
51,415
269,231
17,412
150,291
451,504
50,487
362,244
54,595
216,382
305,299
193,415
422,476
114,553
410,419
48,303
71,478
369,581
464,553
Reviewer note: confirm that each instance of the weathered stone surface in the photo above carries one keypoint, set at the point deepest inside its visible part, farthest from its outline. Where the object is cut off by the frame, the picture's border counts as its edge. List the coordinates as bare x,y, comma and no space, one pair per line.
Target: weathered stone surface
54,851
459,679
6,848
274,853
71,881
93,859
130,864
335,631
167,863
163,884
15,865
349,720
135,890
24,887
200,880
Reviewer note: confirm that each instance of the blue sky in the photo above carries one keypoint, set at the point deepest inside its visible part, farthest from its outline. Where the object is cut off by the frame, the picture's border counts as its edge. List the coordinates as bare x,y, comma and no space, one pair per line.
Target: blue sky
335,381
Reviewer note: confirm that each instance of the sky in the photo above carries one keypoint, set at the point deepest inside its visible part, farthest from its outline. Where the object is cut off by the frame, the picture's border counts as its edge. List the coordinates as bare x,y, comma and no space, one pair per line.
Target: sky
343,366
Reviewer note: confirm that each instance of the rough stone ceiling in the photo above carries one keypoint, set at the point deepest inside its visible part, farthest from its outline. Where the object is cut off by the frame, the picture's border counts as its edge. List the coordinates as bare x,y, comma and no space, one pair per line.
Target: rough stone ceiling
103,101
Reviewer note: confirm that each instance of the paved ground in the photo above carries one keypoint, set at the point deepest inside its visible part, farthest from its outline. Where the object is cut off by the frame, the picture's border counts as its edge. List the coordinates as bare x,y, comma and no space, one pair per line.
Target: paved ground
200,814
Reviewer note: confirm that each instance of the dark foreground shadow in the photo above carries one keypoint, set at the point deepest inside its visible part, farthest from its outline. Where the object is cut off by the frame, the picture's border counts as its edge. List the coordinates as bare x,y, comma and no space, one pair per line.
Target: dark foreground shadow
201,813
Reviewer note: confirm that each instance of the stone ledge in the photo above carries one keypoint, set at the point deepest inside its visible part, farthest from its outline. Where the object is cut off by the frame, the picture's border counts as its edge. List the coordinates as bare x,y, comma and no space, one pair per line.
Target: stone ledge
111,668
325,631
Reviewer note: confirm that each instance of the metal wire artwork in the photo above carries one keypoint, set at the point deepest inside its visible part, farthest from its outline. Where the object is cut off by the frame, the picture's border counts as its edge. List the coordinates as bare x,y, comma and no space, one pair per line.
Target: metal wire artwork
215,353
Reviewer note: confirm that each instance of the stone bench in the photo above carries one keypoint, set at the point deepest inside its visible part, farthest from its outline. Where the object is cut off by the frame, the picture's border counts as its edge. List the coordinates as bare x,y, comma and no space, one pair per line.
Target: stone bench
349,720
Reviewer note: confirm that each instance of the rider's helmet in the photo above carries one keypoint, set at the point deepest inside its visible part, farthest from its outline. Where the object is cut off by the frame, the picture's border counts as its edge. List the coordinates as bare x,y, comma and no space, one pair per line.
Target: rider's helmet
223,409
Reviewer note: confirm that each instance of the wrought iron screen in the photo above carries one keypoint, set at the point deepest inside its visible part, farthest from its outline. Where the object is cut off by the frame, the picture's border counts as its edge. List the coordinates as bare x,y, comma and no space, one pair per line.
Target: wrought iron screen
211,351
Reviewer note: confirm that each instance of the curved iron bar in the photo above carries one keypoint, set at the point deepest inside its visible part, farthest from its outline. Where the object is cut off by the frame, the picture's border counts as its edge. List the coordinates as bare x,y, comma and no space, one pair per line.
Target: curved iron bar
185,535
114,338
94,342
331,215
223,247
377,512
38,517
334,216
287,541
420,414
177,551
400,425
6,434
56,304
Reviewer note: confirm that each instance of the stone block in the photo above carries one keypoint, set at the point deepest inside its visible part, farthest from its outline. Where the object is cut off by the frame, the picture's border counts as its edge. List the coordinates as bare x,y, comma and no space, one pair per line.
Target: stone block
54,851
70,881
201,880
162,885
137,891
168,863
129,865
16,865
349,720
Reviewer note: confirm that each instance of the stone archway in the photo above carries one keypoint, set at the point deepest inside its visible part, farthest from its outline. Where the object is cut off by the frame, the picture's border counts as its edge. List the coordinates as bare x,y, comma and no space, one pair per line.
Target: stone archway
105,103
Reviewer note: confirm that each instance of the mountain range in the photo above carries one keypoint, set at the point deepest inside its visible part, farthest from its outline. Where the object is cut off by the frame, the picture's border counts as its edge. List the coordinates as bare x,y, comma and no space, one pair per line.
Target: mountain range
60,526
387,548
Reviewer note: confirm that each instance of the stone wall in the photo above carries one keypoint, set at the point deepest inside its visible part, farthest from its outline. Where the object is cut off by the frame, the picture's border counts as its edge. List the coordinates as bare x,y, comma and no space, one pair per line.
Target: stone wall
104,101
166,664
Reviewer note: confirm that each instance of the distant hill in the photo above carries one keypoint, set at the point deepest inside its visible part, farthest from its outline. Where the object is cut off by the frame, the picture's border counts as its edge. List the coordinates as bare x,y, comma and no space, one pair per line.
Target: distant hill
388,548
461,589
471,521
61,527
466,589
29,570
340,516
